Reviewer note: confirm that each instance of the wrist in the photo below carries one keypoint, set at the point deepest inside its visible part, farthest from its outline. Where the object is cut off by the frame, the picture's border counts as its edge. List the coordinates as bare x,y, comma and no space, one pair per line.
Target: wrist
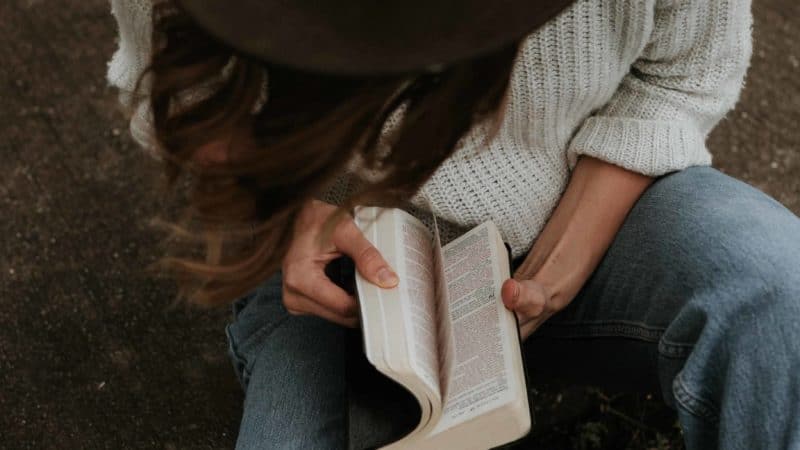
582,228
566,267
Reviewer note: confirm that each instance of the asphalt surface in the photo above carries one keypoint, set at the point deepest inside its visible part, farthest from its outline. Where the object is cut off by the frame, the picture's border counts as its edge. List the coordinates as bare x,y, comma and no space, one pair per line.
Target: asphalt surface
92,355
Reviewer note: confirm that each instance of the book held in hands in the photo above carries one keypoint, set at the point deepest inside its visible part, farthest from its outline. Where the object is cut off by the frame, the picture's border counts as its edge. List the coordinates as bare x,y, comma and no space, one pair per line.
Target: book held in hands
443,332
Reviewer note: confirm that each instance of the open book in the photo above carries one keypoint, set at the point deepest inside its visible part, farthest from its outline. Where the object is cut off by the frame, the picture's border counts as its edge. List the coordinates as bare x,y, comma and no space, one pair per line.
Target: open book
444,334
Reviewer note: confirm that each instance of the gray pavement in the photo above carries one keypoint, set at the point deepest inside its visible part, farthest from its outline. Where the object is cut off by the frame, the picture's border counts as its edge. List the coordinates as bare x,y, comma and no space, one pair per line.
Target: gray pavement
92,355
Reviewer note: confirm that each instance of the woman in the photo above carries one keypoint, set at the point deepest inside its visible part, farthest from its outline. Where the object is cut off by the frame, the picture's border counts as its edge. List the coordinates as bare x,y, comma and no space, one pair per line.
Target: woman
582,140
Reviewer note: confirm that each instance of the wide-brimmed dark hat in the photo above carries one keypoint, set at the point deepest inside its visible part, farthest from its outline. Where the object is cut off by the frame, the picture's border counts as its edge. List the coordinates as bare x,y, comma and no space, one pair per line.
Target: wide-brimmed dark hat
369,37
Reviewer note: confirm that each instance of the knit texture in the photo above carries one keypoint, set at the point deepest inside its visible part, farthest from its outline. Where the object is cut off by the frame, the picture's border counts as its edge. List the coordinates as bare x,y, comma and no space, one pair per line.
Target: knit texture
638,84
134,20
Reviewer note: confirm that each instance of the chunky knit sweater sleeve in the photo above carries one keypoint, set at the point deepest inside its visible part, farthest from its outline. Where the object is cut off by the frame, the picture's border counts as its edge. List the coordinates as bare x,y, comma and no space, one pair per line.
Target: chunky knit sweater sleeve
687,76
134,22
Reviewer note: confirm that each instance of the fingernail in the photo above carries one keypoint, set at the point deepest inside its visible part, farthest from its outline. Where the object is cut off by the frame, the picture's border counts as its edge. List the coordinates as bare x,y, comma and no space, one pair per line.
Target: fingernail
516,291
387,278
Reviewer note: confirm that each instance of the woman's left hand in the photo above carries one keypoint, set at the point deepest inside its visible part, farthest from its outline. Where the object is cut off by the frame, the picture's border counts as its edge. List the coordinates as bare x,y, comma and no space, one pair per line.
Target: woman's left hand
572,244
541,287
532,301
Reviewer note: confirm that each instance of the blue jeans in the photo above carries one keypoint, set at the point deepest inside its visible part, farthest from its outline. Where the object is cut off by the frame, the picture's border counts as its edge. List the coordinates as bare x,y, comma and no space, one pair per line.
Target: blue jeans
698,296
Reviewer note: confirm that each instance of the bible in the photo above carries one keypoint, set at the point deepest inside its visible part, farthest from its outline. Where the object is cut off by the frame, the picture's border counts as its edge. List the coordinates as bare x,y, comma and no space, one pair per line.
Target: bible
443,332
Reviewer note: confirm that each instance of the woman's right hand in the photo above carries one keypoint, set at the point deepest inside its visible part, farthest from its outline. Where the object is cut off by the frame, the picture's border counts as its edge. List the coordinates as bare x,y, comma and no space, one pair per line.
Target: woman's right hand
306,288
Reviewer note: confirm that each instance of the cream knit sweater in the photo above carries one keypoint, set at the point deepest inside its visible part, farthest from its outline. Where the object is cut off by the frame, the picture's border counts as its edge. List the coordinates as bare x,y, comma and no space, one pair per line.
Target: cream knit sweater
636,83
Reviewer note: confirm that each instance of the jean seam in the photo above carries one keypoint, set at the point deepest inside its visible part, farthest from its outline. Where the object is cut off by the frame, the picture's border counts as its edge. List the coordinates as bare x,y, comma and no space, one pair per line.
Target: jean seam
692,402
239,363
604,322
620,328
238,349
674,350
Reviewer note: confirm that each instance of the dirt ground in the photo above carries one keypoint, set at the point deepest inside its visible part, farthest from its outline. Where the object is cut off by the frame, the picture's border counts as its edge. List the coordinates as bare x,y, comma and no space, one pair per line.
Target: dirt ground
91,354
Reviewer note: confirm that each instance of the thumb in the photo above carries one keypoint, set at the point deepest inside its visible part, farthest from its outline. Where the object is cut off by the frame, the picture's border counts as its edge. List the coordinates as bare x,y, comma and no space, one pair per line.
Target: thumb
527,298
349,240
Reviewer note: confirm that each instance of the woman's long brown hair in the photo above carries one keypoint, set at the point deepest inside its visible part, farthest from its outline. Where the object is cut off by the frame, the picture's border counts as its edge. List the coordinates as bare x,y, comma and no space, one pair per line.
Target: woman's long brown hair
280,155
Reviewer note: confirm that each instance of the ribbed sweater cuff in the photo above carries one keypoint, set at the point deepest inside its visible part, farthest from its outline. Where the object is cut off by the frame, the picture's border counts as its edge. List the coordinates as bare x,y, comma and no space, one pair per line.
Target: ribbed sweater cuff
648,147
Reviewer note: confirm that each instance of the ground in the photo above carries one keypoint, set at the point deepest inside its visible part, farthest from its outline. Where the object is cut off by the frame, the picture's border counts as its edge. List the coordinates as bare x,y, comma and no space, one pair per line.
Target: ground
93,355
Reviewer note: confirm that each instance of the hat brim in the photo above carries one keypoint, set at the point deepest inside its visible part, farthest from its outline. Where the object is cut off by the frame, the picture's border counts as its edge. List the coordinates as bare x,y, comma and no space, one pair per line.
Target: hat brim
369,37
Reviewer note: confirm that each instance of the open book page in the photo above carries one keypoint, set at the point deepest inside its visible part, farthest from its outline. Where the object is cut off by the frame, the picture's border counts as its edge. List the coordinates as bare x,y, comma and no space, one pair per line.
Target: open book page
417,290
399,323
443,322
444,334
484,374
383,315
371,297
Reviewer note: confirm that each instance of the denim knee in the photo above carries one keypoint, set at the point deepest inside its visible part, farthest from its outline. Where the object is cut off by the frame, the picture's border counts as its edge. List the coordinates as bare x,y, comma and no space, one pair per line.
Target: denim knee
254,317
749,329
737,254
729,359
739,378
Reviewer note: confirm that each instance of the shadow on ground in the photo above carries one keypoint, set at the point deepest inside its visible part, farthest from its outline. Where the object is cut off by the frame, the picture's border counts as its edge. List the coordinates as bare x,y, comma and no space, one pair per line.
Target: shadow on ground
91,354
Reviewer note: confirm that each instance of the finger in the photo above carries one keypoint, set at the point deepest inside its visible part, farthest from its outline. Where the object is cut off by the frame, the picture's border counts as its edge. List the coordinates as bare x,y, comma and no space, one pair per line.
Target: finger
529,327
316,286
299,305
527,298
510,293
349,240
